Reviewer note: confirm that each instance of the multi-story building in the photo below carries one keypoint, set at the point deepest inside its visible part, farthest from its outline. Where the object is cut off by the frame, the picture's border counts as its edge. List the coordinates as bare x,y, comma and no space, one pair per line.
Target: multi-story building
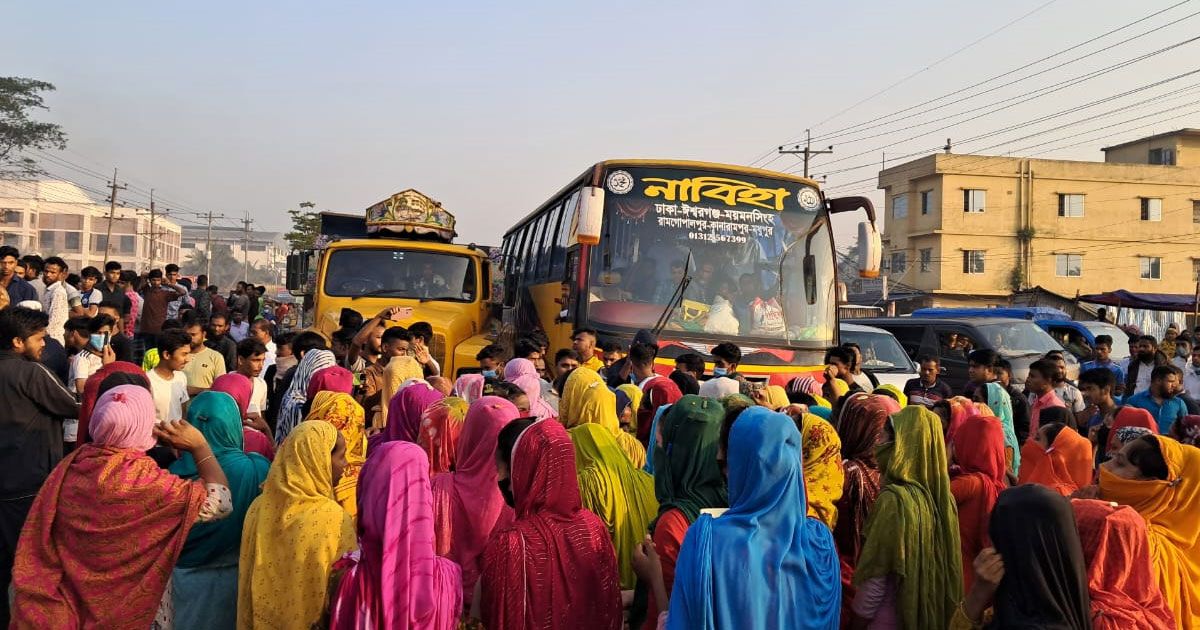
263,250
970,229
58,218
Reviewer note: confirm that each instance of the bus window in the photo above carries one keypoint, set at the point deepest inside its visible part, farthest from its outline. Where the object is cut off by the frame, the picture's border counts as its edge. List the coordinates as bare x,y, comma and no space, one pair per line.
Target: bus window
553,216
560,244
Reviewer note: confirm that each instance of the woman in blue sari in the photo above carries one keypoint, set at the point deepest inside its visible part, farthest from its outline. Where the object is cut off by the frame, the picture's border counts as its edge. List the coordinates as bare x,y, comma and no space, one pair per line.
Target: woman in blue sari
764,563
205,580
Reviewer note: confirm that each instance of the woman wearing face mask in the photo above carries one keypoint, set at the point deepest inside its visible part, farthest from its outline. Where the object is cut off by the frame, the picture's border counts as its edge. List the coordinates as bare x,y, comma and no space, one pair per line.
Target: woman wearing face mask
294,532
467,503
1058,458
1160,478
554,567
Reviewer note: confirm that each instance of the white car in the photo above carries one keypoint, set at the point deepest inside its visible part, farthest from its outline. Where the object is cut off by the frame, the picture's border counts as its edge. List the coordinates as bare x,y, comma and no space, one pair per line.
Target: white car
883,356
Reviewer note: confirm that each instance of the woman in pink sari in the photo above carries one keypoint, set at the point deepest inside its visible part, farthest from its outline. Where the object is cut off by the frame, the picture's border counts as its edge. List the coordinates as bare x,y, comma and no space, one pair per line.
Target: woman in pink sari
405,410
395,580
241,389
523,373
467,504
469,387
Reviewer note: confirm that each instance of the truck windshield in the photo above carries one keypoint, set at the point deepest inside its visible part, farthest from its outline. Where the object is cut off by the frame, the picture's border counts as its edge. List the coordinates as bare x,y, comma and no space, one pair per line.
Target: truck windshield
402,273
739,232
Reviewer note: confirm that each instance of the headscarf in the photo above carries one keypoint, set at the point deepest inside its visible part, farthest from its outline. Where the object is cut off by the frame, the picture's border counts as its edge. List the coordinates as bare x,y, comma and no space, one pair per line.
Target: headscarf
893,392
837,388
1127,417
334,378
106,527
291,406
120,419
237,386
1121,584
523,373
405,410
467,504
719,387
469,387
587,400
293,533
1001,405
763,563
1170,509
441,427
775,397
913,529
860,421
397,581
556,552
634,393
216,416
1064,467
396,375
1187,430
621,495
689,478
981,477
961,408
1045,579
823,474
1125,435
806,385
91,391
347,416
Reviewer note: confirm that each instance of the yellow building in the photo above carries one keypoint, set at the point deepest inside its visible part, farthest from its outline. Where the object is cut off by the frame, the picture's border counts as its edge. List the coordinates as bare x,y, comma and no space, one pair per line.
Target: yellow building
969,229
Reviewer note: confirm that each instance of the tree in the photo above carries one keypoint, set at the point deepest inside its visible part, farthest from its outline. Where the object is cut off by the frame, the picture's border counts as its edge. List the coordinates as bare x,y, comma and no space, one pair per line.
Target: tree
227,269
19,132
306,227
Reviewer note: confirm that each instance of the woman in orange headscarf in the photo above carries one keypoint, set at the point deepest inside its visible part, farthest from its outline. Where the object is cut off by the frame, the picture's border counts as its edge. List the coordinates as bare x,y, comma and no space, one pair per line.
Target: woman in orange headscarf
1160,478
981,475
1057,457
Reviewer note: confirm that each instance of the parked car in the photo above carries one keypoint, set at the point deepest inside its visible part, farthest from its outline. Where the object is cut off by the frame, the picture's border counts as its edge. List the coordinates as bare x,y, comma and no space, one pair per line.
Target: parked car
883,356
951,339
1078,338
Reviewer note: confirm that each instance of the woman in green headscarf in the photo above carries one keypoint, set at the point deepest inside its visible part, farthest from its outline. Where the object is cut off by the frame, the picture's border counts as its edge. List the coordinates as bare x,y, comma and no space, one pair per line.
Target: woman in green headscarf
621,495
206,576
687,478
909,573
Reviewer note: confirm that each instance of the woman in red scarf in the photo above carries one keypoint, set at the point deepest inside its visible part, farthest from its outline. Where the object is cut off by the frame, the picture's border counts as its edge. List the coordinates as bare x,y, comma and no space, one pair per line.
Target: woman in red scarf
1121,582
240,388
981,475
467,504
1057,457
1127,417
555,567
91,391
108,525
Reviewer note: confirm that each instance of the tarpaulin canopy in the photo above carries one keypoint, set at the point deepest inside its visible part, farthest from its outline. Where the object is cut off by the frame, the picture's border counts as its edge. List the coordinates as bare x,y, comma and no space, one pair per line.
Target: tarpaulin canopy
1150,301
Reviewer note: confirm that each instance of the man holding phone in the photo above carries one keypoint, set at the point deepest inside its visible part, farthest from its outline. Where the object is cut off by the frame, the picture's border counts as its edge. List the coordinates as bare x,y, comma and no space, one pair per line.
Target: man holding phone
91,336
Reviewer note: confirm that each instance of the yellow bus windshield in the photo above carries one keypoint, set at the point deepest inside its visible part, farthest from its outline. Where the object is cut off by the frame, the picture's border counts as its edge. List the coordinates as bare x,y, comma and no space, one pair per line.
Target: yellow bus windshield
758,251
400,273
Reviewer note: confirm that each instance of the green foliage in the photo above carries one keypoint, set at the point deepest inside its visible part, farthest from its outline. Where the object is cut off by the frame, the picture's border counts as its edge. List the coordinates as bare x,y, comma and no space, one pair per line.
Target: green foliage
1026,234
227,270
306,227
1016,278
19,132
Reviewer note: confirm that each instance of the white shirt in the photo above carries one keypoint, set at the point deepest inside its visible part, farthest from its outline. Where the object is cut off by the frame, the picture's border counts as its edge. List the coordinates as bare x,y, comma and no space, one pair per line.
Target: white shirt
169,396
55,305
92,298
1143,376
1191,379
83,364
269,360
258,396
1181,362
239,331
1071,396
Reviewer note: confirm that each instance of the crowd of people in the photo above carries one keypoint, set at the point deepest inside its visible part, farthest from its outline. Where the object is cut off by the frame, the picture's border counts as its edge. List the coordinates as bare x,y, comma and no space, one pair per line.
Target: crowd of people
356,486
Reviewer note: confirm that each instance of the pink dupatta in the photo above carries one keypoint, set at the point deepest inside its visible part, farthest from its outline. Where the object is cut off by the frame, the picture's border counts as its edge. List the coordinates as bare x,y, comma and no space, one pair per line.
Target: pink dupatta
396,580
523,374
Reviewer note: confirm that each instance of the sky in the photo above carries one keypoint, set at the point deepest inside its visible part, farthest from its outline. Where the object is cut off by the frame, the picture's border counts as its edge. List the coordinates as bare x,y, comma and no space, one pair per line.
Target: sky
251,108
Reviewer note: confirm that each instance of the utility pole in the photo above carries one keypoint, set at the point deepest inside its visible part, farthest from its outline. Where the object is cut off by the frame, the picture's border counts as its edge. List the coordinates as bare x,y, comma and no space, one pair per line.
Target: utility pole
112,209
807,151
246,222
153,237
208,241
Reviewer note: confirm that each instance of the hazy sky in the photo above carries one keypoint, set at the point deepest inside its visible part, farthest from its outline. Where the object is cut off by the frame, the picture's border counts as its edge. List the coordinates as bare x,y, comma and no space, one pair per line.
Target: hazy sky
490,108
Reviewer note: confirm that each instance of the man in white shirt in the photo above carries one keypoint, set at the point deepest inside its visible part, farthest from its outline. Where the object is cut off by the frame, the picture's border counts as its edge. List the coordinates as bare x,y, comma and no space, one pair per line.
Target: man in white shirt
1191,374
251,354
90,297
59,299
239,329
168,383
260,331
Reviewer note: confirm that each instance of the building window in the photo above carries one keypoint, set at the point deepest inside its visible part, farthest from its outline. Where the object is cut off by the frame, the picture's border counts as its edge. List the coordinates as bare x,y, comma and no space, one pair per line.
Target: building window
9,216
899,262
926,201
900,206
974,200
1070,205
71,241
926,260
1196,211
12,238
973,261
1164,157
1151,209
99,243
1196,269
126,245
46,240
1068,265
1151,267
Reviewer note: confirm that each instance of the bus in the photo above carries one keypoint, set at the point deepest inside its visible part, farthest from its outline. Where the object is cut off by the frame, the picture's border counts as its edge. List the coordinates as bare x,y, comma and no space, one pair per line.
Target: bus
702,253
400,253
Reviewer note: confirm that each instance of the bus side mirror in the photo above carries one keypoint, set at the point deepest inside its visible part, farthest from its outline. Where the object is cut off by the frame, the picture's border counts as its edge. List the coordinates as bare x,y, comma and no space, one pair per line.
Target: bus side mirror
297,272
590,216
870,250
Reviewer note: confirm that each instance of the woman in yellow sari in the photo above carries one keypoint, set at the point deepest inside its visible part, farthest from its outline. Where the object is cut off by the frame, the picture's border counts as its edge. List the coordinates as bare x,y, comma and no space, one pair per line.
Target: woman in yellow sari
346,415
824,476
621,495
294,532
635,402
397,372
587,400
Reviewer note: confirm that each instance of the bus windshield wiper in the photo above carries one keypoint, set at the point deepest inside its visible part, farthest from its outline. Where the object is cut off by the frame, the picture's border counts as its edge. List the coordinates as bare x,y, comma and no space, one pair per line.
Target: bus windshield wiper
676,296
378,292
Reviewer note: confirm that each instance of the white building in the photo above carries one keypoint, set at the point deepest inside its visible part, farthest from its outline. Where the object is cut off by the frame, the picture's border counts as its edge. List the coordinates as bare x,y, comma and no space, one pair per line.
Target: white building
264,250
58,218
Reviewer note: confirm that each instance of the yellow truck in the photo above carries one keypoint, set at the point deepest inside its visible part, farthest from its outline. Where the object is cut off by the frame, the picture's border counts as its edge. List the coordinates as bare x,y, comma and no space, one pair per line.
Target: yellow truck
400,252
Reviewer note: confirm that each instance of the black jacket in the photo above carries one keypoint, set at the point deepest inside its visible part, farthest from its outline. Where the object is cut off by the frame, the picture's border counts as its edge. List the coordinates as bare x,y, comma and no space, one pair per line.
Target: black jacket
31,432
1131,375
